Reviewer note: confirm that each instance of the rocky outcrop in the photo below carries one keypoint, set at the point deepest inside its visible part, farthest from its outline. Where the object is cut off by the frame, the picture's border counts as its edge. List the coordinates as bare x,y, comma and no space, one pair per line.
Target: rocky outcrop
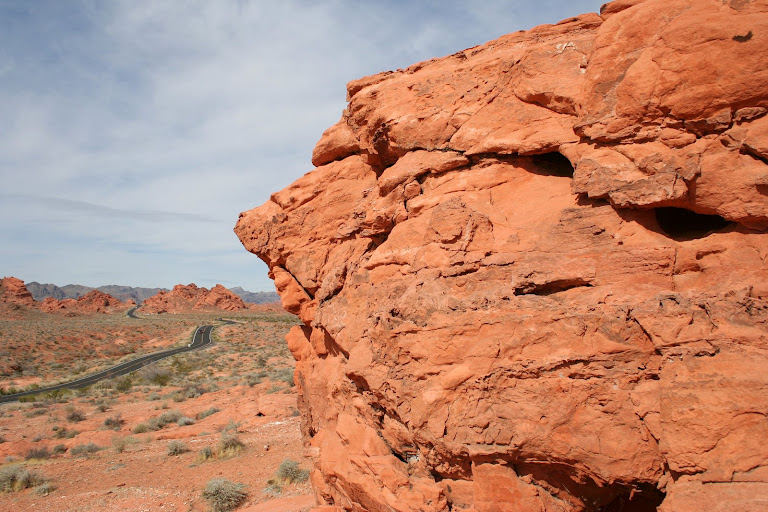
191,297
92,302
13,291
532,275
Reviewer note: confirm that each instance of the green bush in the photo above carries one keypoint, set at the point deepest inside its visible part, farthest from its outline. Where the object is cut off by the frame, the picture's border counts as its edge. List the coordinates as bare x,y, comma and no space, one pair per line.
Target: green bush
206,413
121,443
114,423
59,449
17,478
229,446
155,375
75,416
185,421
38,453
63,433
177,448
289,472
223,495
45,489
84,449
124,384
205,454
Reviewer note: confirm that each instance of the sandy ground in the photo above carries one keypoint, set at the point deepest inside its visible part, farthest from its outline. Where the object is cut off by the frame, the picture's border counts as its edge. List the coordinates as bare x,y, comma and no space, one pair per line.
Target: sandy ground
260,412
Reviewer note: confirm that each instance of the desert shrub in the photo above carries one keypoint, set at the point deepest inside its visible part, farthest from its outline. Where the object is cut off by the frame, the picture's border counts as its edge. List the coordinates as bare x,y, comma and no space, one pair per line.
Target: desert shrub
105,384
185,421
140,428
177,448
154,396
45,489
35,412
102,406
205,454
151,373
114,422
124,384
84,449
75,416
289,472
206,413
121,443
64,433
229,446
223,495
17,478
168,417
2,439
59,449
231,426
38,453
282,375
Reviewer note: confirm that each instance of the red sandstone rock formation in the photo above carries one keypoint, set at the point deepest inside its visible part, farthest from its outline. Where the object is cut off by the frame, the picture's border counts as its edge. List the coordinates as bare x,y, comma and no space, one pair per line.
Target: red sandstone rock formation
13,291
94,301
190,297
532,275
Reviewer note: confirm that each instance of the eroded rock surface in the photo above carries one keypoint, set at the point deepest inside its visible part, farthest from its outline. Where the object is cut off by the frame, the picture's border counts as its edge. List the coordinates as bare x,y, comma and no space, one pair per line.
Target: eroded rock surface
94,301
14,292
191,297
532,275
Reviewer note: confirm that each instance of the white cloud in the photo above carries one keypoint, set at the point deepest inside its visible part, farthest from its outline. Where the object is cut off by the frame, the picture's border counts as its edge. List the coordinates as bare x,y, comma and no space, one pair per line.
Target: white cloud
188,110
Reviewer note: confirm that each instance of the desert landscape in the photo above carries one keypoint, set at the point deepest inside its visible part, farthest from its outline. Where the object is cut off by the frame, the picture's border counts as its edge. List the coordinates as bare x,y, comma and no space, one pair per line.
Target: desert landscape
527,276
153,439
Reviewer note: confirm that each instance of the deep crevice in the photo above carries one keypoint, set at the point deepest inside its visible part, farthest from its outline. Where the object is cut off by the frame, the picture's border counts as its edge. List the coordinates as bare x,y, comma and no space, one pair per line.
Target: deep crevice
682,224
641,498
548,288
554,164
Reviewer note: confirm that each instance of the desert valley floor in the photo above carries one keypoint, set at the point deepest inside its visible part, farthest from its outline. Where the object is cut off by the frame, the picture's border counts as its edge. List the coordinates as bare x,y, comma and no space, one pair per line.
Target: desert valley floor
151,441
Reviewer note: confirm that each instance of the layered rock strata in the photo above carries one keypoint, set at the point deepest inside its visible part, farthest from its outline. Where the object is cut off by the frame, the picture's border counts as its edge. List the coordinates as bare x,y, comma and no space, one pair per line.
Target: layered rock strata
14,292
532,275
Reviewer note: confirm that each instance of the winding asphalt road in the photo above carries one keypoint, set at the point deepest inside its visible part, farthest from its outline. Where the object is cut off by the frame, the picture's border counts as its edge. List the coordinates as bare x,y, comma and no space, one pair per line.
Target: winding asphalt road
201,339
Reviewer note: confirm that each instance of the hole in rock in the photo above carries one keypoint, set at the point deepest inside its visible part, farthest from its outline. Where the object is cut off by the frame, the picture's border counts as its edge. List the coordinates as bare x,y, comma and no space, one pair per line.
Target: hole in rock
679,223
644,498
554,164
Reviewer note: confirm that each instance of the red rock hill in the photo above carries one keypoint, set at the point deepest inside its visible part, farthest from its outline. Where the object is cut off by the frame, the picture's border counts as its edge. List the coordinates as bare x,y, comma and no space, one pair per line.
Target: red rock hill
190,297
532,274
13,291
92,302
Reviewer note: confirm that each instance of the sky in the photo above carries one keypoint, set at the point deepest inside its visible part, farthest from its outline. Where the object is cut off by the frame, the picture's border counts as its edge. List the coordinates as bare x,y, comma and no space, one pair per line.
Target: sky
133,133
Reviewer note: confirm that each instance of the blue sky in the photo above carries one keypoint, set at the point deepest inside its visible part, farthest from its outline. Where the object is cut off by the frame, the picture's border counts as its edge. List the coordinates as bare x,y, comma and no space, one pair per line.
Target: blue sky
133,133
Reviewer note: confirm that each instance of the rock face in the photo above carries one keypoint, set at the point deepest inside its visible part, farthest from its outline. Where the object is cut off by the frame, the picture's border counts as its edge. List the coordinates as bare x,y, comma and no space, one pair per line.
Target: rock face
190,297
94,301
13,291
532,275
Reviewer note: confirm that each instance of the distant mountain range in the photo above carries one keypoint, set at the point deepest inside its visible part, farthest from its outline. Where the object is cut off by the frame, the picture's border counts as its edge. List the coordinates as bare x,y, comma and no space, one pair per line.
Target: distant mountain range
255,297
75,291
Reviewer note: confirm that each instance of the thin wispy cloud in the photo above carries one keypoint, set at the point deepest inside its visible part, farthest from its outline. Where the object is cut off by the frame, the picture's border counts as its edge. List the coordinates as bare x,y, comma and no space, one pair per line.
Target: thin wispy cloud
64,206
134,132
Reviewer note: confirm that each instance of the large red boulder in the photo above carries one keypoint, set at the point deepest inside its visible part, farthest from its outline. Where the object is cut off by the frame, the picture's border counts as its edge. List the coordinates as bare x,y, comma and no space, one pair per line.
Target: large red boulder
532,275
13,291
